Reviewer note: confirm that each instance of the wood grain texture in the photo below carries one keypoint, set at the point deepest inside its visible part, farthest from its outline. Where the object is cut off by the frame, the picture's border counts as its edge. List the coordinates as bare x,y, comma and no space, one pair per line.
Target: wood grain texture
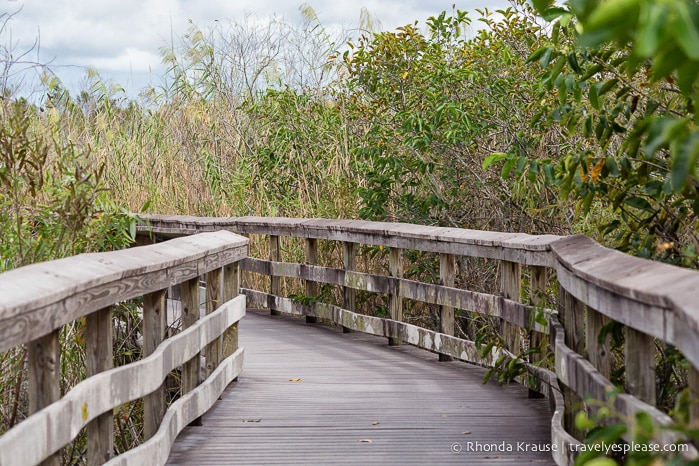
45,432
516,247
182,412
100,431
354,387
154,327
482,303
67,289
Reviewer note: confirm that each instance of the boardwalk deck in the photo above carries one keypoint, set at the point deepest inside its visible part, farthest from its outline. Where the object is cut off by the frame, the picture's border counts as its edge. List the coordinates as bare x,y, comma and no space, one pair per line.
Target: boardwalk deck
359,401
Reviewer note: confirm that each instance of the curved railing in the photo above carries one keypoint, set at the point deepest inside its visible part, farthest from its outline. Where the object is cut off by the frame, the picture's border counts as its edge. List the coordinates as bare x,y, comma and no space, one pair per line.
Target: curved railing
38,300
595,284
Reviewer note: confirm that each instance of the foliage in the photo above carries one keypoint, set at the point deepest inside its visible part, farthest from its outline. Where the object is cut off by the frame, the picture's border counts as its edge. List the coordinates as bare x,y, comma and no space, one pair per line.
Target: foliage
619,82
435,103
609,439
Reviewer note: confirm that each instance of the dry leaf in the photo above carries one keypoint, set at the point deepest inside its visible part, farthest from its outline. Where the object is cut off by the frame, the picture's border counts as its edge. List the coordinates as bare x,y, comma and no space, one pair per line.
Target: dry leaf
445,415
375,423
466,432
252,420
294,380
366,440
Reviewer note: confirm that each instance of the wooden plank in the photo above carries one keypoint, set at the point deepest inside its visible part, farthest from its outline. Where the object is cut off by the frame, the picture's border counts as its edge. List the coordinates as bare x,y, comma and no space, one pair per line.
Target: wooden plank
190,315
395,301
639,355
44,379
571,314
154,328
349,252
183,412
537,297
515,247
59,423
447,268
312,288
598,352
510,288
411,408
100,431
67,289
213,353
274,256
231,290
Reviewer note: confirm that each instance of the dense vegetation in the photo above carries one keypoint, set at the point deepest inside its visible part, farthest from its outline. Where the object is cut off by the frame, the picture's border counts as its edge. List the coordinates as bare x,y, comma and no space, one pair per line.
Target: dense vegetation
558,119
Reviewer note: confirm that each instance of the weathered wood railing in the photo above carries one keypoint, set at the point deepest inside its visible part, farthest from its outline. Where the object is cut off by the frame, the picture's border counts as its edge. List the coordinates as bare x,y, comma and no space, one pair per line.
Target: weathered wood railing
595,284
38,300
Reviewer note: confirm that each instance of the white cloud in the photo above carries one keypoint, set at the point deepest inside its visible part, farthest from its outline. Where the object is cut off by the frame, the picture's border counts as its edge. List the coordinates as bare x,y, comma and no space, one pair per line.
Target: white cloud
123,37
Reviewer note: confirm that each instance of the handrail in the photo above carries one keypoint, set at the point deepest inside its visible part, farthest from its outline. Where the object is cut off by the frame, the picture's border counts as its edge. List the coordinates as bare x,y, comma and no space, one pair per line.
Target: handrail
653,300
38,300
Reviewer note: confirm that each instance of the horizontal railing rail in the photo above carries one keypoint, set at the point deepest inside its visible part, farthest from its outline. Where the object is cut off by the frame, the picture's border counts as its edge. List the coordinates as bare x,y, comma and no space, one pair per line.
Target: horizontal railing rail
595,285
36,301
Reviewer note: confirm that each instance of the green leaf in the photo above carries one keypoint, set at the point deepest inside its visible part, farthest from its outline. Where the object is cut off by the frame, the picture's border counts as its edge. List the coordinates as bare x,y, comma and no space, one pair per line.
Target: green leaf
639,203
495,157
593,95
652,28
684,162
551,14
686,30
605,21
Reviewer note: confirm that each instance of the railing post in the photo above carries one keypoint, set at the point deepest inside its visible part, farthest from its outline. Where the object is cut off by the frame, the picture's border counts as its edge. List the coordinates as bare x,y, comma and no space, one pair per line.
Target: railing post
44,378
571,315
597,352
154,327
395,301
537,298
693,383
537,293
231,289
100,431
190,315
275,282
213,301
510,287
349,252
640,365
447,266
311,286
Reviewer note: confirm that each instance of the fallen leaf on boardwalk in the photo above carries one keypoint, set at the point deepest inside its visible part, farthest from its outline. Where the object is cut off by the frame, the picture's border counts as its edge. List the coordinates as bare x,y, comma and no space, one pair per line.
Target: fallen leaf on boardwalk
366,440
375,423
294,380
466,432
252,420
445,415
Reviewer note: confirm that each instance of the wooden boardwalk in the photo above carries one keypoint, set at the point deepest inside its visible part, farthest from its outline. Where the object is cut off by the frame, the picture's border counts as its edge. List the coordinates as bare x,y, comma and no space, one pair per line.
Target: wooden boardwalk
309,394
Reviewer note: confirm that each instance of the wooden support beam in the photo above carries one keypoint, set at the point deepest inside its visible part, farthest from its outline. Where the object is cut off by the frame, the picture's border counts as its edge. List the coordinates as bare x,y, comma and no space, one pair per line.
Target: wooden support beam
312,289
44,371
447,268
154,328
571,315
693,383
349,252
100,431
640,365
598,352
511,288
231,289
275,282
537,297
190,315
395,302
213,301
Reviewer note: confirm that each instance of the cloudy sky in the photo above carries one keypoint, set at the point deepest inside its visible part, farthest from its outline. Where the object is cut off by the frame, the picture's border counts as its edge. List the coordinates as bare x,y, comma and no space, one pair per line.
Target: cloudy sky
121,38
